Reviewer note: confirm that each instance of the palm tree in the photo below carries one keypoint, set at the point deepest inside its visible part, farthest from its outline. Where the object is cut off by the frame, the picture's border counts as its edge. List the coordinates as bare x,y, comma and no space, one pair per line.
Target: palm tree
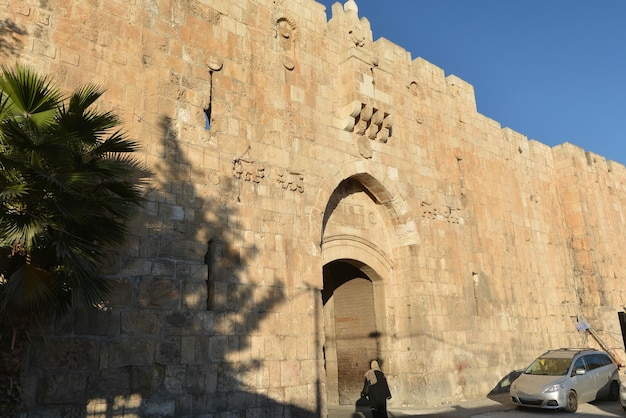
68,185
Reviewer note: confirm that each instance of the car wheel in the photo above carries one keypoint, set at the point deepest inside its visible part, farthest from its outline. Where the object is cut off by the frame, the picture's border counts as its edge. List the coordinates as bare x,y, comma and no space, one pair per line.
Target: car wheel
572,402
613,391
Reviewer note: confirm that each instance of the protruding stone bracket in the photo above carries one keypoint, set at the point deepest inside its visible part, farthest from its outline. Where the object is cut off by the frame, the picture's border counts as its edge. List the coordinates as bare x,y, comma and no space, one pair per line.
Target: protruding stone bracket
368,123
366,120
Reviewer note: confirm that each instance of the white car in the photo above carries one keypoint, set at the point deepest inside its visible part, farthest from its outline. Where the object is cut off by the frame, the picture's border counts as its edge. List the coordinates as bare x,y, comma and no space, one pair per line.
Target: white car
622,393
563,378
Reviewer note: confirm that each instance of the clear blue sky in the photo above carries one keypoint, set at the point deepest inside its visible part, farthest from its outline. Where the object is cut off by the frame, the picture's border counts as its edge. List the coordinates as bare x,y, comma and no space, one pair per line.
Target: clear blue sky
553,70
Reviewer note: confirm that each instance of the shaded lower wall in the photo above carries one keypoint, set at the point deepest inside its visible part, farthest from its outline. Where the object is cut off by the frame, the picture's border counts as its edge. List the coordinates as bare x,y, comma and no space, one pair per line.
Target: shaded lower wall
153,362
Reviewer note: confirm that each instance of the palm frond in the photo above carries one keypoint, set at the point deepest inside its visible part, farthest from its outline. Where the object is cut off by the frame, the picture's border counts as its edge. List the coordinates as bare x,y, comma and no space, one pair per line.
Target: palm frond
68,184
22,229
27,289
13,190
84,97
30,97
117,143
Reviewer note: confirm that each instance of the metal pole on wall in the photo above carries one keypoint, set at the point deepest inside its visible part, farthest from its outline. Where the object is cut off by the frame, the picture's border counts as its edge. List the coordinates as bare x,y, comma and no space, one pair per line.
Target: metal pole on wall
622,324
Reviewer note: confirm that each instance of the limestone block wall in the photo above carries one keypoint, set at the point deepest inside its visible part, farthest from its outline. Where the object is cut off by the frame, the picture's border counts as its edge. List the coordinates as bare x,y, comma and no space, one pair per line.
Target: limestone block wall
291,154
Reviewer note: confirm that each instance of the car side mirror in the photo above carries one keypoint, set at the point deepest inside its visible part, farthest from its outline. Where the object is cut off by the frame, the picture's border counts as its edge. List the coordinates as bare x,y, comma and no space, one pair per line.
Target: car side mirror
580,371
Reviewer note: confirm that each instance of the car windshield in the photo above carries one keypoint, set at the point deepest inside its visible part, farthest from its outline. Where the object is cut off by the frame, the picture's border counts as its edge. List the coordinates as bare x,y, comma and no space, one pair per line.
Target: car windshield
549,366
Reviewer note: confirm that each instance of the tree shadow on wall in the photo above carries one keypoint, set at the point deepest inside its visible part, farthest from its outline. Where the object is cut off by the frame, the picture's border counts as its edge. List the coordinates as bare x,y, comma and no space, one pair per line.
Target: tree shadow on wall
10,33
176,339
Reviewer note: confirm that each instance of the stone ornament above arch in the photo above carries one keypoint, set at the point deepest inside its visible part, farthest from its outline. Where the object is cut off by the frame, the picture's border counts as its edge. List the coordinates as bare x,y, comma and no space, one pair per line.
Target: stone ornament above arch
384,190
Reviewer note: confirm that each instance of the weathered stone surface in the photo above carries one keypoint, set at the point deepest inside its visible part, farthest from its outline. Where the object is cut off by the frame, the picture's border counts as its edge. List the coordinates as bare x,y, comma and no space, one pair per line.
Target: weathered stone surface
292,158
189,323
67,354
123,352
66,388
146,321
97,322
160,408
146,380
122,294
159,293
169,351
109,382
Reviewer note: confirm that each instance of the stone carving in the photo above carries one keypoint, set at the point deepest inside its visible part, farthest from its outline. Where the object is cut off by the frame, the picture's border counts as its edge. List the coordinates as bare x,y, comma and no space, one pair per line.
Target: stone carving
290,181
248,170
441,213
255,171
285,31
357,36
364,147
214,63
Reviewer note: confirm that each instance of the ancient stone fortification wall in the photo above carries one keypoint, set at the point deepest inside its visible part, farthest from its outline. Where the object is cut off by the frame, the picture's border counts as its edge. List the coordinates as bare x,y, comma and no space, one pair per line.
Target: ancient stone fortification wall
451,248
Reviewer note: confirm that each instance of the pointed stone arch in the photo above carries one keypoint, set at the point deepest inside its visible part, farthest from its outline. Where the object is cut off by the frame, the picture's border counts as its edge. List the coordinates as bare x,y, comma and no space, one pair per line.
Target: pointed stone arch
356,266
380,183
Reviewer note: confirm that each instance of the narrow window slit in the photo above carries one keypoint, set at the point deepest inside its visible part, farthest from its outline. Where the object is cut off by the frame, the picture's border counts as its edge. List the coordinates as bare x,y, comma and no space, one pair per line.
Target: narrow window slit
208,260
207,110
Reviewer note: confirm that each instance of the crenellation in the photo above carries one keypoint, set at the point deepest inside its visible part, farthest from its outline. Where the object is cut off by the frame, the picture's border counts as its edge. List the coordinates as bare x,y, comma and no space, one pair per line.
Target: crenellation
463,93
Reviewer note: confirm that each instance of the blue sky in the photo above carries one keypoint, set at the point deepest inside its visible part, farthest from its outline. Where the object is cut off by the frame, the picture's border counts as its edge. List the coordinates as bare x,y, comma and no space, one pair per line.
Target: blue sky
553,70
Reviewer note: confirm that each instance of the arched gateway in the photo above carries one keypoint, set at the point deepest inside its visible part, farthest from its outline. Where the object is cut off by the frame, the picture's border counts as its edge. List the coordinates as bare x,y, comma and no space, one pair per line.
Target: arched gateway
360,227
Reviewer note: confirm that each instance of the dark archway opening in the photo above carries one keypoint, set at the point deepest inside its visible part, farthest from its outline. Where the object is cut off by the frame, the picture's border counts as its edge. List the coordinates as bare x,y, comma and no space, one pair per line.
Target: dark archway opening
351,334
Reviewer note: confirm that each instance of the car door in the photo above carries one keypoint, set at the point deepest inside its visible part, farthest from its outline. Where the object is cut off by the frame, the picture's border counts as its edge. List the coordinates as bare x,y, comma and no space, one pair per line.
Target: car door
584,384
604,371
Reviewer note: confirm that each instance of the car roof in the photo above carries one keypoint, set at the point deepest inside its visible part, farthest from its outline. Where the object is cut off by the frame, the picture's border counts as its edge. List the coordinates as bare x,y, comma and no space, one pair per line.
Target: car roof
567,352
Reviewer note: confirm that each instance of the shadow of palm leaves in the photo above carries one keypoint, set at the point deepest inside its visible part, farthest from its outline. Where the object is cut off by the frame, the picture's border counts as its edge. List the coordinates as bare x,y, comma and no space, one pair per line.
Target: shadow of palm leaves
224,368
178,339
10,33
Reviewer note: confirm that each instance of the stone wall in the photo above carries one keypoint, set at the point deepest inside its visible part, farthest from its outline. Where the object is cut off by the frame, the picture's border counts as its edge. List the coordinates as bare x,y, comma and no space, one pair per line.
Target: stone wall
298,166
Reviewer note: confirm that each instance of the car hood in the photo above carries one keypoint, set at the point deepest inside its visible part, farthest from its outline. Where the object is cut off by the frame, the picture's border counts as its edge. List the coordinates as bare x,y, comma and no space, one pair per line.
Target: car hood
534,383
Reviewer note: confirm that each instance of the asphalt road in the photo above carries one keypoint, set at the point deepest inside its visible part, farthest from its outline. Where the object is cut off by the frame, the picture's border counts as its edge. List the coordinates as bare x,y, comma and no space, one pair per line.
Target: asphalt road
587,410
496,407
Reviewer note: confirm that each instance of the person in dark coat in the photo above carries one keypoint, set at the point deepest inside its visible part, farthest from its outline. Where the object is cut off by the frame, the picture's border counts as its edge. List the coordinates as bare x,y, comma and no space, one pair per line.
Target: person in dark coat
376,390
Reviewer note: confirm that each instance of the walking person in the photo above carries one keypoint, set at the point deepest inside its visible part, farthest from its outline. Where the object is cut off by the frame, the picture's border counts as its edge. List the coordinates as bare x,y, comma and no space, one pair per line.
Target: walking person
376,390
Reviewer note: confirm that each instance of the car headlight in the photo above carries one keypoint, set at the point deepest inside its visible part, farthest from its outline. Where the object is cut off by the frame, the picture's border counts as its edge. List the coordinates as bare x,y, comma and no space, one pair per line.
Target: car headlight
554,388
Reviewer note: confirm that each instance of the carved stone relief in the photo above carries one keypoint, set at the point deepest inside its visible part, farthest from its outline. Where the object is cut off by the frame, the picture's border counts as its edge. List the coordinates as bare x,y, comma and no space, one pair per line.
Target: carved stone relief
255,171
248,170
357,36
364,147
441,213
285,32
290,181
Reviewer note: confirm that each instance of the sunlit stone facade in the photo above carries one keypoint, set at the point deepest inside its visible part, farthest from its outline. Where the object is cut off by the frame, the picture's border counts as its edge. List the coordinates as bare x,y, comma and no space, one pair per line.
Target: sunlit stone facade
317,199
